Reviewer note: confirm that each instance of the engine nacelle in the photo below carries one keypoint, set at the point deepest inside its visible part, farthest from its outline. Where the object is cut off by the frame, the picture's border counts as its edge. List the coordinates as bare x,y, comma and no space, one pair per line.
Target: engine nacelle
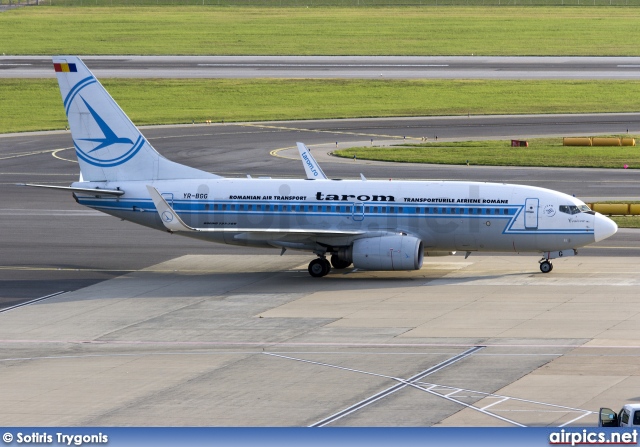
388,253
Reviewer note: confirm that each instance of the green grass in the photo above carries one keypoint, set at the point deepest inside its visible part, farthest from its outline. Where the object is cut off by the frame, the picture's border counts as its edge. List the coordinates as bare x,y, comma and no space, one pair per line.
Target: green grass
512,31
542,152
626,221
360,4
35,104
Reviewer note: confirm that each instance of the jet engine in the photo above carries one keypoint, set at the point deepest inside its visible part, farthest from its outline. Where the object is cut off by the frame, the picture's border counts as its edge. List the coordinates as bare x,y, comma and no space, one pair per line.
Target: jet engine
397,252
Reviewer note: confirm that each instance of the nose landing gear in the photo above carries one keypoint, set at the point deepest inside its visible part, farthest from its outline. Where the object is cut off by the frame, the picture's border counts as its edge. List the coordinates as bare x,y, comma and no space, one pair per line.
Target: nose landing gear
546,266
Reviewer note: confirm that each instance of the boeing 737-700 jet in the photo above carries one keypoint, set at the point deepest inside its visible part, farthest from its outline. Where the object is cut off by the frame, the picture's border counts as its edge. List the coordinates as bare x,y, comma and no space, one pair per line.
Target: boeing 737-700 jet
372,225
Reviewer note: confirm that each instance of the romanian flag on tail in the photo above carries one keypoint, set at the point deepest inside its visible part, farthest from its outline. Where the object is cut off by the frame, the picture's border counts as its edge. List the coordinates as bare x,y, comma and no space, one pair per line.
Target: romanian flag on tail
64,67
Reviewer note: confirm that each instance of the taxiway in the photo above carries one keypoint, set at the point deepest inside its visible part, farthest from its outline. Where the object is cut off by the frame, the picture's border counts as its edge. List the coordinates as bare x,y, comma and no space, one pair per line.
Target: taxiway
157,329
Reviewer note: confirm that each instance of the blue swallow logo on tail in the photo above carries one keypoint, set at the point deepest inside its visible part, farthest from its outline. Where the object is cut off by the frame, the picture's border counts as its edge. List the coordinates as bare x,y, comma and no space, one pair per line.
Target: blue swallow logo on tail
122,155
109,135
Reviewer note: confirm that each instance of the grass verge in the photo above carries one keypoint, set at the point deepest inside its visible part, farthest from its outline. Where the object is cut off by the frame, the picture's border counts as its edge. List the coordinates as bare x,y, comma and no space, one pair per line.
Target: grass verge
428,31
626,221
35,104
542,152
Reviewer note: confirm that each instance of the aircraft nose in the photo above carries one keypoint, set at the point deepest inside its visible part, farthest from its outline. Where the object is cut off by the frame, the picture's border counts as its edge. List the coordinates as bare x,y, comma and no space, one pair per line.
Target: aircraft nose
603,227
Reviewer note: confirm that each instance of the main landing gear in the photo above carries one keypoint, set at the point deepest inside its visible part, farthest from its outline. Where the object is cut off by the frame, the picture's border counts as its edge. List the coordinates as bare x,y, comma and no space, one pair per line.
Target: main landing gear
321,266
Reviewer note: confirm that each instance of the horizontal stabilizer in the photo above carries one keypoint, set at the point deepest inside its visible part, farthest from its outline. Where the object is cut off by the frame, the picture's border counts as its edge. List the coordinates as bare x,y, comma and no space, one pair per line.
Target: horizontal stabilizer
95,191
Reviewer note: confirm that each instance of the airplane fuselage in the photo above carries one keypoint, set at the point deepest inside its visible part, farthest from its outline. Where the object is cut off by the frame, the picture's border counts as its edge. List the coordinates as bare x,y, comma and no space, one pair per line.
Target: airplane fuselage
446,216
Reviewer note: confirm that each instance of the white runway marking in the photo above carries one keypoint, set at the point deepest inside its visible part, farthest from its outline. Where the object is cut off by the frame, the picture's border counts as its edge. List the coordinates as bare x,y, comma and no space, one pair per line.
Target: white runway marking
451,399
534,279
41,212
376,397
324,66
7,309
26,154
451,394
447,394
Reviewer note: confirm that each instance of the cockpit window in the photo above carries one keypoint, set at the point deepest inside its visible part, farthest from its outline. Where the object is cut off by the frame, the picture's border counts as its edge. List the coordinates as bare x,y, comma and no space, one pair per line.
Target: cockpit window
573,209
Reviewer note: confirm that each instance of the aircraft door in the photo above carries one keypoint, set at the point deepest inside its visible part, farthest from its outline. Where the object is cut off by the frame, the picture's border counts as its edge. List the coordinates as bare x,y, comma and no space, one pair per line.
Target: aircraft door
168,196
531,214
358,211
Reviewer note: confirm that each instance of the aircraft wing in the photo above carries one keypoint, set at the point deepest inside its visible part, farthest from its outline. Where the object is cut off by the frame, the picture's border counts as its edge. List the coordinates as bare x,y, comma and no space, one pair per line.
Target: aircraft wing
311,166
174,223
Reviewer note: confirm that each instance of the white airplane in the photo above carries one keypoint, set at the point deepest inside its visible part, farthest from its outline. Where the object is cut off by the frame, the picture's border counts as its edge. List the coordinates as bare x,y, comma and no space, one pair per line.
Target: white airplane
374,225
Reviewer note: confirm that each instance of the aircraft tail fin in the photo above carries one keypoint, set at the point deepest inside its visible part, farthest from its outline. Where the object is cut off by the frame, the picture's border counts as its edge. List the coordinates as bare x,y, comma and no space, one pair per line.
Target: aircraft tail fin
108,145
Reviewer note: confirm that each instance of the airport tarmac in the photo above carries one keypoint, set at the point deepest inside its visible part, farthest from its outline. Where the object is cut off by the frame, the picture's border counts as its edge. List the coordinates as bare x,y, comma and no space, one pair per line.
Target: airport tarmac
157,329
210,340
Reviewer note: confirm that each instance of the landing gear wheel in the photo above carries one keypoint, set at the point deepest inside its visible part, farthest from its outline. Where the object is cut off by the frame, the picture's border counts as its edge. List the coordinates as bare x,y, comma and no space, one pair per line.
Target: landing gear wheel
338,263
319,267
326,265
546,267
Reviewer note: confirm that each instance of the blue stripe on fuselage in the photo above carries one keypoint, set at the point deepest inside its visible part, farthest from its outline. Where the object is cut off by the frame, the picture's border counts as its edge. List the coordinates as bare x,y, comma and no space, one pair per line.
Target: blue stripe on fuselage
319,209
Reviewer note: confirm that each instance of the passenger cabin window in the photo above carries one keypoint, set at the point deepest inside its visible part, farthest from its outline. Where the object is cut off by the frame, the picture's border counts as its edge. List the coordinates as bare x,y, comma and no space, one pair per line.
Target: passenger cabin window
636,417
